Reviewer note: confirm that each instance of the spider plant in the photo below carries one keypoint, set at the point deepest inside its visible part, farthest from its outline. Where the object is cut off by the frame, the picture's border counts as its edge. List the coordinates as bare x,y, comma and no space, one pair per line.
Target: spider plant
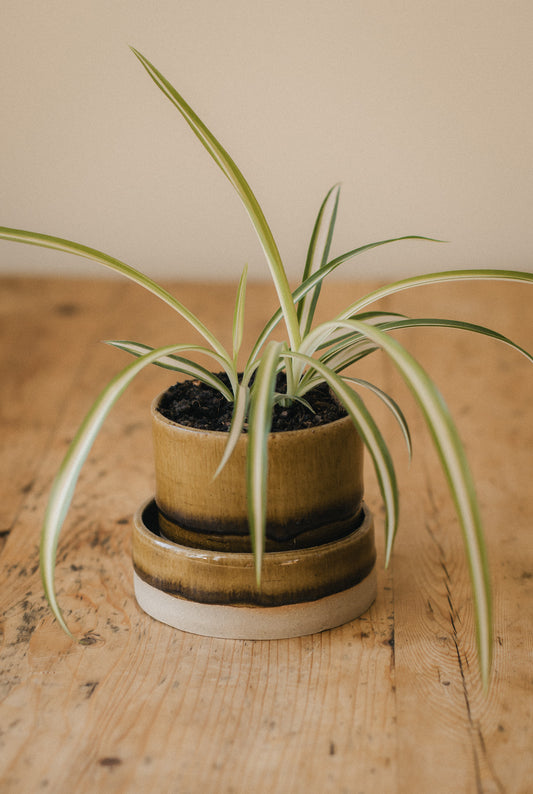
309,354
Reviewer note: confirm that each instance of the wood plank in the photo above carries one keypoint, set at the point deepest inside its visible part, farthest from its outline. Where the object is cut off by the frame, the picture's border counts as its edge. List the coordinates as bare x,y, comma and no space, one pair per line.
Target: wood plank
389,702
461,738
47,334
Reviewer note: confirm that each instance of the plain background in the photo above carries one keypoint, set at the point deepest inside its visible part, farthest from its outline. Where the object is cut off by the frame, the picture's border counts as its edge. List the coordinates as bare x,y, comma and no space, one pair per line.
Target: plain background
422,109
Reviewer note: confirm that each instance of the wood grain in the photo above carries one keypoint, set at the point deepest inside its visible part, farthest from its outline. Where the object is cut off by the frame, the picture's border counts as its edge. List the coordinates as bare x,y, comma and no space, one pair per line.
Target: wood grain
388,703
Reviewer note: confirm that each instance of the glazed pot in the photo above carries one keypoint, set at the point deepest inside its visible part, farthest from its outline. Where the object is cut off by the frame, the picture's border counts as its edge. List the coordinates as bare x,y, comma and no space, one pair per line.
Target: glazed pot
314,488
193,566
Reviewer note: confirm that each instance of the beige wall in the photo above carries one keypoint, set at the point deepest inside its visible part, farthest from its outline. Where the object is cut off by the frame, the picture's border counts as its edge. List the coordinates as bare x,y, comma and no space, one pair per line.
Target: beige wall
423,109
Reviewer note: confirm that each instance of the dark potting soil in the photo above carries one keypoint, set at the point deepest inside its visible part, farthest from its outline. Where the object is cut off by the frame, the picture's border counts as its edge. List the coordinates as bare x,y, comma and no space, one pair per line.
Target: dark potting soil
194,404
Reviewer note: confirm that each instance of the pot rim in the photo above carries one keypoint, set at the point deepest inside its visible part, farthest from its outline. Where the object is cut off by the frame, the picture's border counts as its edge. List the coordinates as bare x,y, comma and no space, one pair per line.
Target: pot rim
158,416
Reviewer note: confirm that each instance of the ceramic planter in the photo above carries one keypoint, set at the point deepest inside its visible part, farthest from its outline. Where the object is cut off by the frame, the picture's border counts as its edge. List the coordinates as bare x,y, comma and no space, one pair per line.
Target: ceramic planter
193,566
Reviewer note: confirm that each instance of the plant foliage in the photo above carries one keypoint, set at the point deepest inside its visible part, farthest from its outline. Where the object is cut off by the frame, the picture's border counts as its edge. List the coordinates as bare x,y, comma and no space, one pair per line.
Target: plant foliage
310,354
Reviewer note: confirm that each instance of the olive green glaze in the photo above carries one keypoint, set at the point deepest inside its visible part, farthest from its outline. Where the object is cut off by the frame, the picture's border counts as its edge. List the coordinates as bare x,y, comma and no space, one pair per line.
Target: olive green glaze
314,489
213,577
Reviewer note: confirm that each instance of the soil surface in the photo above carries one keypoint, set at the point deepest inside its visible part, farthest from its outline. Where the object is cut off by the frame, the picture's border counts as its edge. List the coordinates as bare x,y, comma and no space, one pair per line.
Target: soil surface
193,404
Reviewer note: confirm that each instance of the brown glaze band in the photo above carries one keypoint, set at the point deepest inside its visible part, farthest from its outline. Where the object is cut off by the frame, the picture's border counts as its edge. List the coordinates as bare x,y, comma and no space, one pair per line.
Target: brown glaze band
324,528
218,577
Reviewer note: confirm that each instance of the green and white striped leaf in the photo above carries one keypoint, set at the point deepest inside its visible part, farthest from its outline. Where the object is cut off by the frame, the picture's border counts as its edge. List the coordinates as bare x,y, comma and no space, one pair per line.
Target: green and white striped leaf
243,190
372,318
316,278
317,255
462,325
238,419
373,440
434,278
259,424
184,365
346,348
392,405
340,357
282,399
65,481
344,354
69,247
238,314
341,360
457,471
423,280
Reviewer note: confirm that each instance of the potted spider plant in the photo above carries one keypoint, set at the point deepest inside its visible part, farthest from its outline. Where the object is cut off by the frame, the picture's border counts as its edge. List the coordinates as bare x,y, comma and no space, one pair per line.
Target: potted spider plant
253,520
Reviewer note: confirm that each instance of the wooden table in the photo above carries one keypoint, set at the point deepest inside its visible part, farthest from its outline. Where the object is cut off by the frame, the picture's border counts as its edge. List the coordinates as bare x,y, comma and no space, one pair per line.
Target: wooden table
389,703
